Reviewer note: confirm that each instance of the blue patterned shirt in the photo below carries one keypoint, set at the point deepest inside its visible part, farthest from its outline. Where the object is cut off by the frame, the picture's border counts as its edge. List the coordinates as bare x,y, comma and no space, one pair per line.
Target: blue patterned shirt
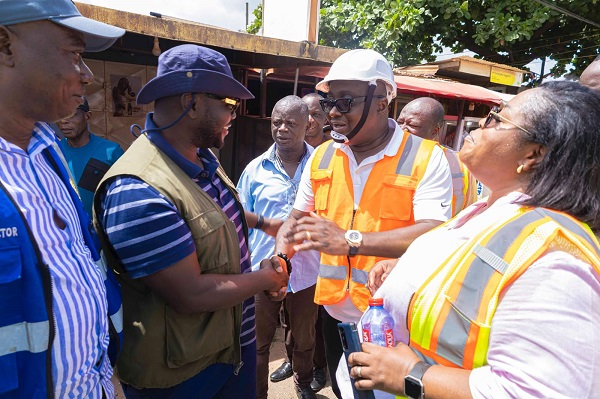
80,366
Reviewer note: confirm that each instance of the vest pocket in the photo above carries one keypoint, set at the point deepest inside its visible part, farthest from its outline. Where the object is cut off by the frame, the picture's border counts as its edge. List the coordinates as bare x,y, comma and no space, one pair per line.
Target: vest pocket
191,338
459,335
396,197
321,183
211,237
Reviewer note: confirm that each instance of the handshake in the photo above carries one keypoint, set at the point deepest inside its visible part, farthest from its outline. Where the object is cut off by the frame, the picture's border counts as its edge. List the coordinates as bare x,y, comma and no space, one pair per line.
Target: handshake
278,269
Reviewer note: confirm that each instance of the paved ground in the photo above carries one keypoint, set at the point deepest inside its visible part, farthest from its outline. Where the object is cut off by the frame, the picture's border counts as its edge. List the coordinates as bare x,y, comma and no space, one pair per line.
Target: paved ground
286,389
281,390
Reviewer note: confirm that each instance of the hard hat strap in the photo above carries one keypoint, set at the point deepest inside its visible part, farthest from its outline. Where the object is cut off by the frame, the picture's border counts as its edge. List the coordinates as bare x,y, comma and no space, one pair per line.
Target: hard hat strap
340,138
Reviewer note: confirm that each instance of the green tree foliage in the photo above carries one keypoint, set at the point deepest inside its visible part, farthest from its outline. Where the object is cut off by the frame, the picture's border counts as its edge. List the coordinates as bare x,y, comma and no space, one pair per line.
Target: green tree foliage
254,27
512,32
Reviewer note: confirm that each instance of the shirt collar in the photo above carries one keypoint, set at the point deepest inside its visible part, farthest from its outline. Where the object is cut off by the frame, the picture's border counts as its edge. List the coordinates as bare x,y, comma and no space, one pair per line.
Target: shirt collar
191,169
42,137
392,146
272,154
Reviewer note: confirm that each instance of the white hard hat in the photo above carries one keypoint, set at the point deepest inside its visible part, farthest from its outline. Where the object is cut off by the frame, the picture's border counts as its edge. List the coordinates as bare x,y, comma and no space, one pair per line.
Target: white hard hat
364,65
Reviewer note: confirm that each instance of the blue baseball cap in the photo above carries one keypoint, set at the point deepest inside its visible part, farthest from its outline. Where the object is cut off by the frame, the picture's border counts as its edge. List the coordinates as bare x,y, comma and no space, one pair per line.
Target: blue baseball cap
192,69
98,36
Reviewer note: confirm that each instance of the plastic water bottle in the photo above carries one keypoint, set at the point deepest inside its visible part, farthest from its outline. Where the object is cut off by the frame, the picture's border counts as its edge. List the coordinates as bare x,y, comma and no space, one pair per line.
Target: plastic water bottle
378,325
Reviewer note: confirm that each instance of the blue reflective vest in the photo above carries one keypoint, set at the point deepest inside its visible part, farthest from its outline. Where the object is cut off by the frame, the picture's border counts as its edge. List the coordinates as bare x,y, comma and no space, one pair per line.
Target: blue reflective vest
27,327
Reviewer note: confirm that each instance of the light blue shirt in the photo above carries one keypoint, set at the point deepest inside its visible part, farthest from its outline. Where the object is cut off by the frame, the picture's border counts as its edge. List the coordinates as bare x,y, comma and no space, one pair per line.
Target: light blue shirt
265,188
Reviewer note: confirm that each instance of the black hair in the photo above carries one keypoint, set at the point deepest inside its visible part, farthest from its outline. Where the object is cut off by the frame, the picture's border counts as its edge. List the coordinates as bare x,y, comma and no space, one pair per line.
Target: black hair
565,118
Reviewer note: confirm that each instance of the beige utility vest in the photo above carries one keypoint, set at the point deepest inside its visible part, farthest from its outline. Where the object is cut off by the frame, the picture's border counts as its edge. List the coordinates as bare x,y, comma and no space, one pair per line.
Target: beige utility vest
162,348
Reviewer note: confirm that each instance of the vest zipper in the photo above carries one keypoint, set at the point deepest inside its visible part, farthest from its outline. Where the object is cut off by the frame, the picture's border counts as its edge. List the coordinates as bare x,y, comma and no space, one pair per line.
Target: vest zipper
238,367
48,289
348,256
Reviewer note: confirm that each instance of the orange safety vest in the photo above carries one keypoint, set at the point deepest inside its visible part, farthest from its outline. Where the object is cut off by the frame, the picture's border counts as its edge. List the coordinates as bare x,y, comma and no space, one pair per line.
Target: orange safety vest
386,204
450,315
464,188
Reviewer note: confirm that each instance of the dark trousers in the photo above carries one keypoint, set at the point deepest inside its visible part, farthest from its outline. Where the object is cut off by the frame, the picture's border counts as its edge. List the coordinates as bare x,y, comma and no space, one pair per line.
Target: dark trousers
333,348
319,359
217,381
302,313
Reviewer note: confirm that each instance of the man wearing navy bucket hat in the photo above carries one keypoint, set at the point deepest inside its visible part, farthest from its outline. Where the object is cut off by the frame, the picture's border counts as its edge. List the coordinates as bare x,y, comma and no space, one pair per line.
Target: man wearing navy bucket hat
174,229
54,329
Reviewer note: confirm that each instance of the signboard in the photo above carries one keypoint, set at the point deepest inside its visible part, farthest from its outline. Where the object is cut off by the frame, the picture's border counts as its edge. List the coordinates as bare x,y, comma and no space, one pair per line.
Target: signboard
291,20
506,77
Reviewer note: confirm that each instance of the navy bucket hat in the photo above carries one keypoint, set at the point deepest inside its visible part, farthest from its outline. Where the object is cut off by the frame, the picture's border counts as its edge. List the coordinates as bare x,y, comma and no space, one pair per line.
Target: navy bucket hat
98,36
192,69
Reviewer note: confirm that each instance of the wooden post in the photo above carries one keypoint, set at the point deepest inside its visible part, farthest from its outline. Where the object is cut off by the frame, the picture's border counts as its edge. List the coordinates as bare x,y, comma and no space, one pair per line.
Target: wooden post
313,19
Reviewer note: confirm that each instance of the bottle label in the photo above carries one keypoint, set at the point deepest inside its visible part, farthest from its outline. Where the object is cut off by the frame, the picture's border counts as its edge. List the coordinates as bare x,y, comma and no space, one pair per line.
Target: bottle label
389,338
366,334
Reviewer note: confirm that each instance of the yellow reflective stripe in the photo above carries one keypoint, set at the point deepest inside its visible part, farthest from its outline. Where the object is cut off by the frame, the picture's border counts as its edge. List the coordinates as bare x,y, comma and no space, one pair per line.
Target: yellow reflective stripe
580,230
466,306
31,337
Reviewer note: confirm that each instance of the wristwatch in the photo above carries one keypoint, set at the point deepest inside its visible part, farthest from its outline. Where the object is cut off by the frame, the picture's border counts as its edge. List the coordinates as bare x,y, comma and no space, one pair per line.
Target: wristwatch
413,384
354,239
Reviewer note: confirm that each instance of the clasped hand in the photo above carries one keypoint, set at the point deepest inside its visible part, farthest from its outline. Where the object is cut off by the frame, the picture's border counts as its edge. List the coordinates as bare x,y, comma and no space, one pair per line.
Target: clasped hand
276,269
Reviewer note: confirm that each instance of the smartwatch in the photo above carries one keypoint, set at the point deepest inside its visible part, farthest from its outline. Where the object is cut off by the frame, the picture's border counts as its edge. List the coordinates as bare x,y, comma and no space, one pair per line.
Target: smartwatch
354,239
413,384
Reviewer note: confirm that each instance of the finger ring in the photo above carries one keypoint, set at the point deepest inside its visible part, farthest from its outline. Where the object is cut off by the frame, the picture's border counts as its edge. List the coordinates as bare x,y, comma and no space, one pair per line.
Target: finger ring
358,370
308,235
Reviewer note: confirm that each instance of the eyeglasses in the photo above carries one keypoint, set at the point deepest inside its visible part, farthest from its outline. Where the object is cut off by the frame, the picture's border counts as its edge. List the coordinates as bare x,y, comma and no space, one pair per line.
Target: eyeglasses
231,103
343,105
494,115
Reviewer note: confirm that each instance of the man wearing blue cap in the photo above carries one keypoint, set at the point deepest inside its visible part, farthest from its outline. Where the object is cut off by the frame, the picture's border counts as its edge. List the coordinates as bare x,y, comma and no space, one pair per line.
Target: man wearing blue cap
54,329
171,224
89,157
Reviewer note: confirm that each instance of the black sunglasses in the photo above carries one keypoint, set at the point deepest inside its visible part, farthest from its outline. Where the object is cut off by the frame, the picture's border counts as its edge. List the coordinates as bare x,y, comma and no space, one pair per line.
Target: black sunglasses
494,115
343,105
231,103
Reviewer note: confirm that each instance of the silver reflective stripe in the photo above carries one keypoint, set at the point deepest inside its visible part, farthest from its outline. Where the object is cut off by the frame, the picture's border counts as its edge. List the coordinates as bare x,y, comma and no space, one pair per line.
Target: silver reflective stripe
458,184
332,272
409,154
31,337
360,276
326,160
453,336
569,225
491,258
117,319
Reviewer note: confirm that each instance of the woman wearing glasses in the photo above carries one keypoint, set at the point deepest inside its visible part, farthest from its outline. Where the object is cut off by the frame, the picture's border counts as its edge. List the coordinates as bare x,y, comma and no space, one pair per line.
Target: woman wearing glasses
503,301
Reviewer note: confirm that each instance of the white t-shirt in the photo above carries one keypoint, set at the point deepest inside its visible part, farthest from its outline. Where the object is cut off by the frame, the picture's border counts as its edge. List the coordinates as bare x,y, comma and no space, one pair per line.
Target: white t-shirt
432,199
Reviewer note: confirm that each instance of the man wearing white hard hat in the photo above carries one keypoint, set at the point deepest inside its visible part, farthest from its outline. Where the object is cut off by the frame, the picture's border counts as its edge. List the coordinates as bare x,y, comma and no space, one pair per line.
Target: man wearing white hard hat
367,195
54,324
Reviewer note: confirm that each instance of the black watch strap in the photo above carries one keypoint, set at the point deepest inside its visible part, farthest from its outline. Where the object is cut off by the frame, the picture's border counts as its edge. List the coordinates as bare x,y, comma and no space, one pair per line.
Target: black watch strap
352,251
288,263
